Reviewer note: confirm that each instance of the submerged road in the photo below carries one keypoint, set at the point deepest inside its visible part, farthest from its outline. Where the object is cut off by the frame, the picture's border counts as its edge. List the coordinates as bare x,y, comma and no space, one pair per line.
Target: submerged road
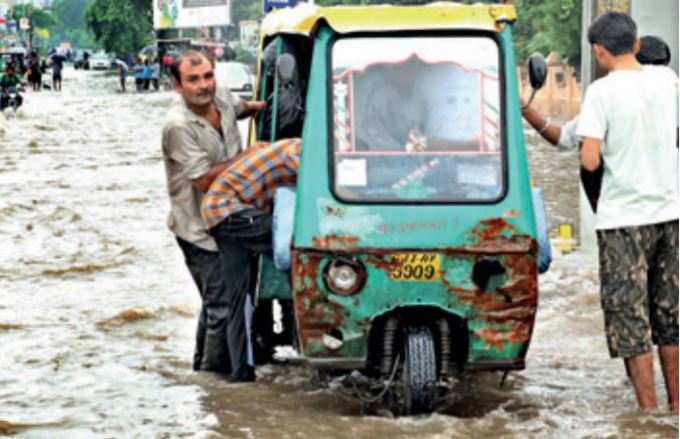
97,310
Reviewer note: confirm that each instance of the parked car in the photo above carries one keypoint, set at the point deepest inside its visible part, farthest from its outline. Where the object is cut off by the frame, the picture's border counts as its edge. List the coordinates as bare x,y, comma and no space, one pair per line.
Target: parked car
100,61
237,76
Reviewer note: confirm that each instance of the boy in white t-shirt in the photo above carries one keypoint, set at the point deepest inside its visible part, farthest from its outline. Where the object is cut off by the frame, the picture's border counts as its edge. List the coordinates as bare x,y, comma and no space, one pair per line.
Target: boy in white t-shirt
630,117
653,51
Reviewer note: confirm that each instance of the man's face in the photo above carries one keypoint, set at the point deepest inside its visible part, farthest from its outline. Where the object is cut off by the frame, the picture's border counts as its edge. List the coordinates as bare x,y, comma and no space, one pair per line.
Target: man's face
198,82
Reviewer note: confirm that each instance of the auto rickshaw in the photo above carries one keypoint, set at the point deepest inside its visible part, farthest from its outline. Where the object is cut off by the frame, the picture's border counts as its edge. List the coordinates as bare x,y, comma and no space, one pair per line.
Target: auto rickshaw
413,255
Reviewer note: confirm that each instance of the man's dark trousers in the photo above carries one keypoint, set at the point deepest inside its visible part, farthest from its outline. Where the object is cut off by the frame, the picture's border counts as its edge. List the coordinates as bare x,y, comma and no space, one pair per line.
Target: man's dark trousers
238,236
207,270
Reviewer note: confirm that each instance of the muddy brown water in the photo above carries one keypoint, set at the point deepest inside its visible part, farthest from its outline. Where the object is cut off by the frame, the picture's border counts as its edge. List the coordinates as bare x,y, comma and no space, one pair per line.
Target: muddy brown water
97,310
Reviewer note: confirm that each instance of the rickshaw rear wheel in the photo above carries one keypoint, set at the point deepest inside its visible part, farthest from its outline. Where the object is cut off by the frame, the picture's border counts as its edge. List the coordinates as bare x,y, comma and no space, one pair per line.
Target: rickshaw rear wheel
419,371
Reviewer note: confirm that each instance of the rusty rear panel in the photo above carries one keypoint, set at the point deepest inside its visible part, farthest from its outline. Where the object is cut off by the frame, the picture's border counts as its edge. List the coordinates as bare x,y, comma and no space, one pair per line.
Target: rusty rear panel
500,320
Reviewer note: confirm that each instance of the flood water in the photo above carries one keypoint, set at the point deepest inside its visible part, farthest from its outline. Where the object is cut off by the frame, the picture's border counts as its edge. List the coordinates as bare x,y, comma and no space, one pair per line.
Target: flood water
97,310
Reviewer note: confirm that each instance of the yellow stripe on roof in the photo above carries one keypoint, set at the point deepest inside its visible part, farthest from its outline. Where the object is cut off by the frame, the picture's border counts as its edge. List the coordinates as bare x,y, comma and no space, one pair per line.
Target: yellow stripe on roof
304,18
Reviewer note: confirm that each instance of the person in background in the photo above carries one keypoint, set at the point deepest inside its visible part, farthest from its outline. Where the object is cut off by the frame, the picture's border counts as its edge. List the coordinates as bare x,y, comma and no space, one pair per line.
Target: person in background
57,67
9,81
628,121
155,74
139,75
34,72
200,137
122,73
146,75
167,62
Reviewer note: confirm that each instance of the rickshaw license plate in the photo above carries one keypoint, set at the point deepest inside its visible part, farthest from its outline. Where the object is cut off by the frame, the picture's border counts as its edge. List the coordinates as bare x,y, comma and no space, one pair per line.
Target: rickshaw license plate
421,267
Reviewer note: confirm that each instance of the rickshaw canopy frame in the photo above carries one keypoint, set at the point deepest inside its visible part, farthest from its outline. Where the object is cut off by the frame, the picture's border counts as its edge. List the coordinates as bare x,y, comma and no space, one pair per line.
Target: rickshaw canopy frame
304,19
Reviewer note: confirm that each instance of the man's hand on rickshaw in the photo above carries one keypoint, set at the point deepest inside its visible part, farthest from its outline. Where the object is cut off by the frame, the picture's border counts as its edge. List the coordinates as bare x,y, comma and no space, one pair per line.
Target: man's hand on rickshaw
257,106
251,108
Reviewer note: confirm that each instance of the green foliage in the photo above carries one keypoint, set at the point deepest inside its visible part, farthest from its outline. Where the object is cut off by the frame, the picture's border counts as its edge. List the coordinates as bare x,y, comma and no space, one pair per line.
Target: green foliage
246,10
70,24
121,26
546,26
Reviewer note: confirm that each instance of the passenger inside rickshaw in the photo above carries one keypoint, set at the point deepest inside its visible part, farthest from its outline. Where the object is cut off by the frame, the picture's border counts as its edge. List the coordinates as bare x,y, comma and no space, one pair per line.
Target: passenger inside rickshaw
417,119
287,93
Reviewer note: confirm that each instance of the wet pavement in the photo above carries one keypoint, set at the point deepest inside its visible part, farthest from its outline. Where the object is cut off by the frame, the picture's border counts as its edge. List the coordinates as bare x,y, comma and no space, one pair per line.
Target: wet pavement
97,310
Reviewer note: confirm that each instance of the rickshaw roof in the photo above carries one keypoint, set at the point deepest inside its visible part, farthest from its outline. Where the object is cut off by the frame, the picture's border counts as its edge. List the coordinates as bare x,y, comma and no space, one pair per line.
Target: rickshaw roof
304,18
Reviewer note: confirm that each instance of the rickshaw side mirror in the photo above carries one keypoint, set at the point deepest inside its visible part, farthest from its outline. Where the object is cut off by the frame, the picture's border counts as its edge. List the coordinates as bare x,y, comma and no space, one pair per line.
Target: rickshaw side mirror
286,68
538,70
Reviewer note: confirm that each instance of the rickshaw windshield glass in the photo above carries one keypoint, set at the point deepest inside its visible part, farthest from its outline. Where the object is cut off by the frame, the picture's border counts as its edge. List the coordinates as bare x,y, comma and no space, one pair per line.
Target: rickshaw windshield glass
417,119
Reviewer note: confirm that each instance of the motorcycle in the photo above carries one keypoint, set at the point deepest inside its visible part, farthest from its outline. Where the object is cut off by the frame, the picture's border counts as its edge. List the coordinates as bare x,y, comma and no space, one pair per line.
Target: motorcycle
11,98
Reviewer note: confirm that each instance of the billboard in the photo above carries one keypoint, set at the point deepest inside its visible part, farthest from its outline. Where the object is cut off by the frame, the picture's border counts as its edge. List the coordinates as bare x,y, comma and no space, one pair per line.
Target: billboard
170,14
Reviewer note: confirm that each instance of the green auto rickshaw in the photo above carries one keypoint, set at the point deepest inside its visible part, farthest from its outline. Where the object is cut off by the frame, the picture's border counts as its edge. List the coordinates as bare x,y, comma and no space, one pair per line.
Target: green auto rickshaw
412,255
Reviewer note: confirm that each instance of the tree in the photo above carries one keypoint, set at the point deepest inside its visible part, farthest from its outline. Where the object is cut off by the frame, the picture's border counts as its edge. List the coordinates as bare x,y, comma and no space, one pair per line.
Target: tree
121,26
546,26
244,10
70,24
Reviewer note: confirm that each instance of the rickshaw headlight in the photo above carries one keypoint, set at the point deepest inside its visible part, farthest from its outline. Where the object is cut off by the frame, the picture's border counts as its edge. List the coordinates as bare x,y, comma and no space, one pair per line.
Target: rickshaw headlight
345,276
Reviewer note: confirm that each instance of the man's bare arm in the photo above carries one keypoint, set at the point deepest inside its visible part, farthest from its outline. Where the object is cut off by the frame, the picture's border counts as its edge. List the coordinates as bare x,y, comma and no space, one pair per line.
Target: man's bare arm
203,182
590,153
251,108
547,130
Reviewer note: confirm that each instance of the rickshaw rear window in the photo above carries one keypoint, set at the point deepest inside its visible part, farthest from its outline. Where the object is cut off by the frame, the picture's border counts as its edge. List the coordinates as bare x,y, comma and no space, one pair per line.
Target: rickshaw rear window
417,119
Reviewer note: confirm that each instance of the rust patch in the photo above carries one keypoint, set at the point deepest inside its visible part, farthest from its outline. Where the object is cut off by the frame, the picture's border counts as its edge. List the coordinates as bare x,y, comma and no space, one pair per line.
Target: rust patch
382,261
315,314
493,229
496,339
521,288
496,235
335,242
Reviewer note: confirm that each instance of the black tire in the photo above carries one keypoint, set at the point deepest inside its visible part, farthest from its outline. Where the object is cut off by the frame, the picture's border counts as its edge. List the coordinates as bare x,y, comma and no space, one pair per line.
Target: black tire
419,372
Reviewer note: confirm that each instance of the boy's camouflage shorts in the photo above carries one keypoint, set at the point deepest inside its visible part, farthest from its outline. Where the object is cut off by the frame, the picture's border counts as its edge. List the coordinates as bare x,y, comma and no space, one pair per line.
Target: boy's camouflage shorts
639,287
